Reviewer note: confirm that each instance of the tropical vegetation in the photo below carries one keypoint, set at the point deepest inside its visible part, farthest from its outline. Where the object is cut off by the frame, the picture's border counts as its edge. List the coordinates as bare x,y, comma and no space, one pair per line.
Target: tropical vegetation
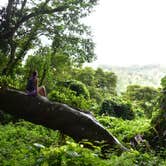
136,116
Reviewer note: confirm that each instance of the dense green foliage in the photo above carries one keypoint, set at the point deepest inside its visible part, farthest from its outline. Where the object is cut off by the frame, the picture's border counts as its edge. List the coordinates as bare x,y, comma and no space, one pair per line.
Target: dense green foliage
103,81
70,97
77,86
117,107
158,135
100,83
143,97
136,117
23,143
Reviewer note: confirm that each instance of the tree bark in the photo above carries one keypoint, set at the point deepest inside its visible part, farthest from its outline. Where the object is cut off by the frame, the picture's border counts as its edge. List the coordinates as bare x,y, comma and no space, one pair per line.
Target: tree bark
57,116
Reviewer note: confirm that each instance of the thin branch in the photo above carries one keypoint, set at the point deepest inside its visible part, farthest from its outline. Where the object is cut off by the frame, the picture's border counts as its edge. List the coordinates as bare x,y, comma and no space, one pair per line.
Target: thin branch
41,12
23,6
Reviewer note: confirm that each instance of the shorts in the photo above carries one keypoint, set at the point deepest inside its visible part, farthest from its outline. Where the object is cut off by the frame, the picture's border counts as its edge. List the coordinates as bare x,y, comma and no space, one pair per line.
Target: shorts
32,93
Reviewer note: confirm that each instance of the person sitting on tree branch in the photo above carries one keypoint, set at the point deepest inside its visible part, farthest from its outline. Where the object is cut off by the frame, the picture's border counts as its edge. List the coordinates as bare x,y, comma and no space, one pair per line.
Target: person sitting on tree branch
32,88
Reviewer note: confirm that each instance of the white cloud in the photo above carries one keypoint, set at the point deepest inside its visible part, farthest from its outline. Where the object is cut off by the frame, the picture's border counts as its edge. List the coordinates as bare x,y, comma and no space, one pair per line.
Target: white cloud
3,2
130,31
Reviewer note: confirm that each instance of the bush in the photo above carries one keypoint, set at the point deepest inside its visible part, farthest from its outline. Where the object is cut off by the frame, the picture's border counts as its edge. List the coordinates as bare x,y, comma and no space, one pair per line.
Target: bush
95,94
124,130
70,97
5,81
21,143
144,97
77,86
9,81
118,108
72,154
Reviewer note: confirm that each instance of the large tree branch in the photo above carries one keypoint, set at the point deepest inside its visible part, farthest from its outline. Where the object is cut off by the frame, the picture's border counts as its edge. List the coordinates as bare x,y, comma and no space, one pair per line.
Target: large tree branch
9,11
40,11
57,116
23,6
13,60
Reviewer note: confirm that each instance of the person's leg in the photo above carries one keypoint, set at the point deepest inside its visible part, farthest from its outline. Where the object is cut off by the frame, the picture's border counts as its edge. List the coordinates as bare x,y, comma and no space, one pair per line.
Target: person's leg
42,91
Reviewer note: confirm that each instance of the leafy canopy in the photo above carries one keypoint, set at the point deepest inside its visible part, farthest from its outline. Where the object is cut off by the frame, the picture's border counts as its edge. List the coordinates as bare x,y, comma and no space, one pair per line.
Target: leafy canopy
24,23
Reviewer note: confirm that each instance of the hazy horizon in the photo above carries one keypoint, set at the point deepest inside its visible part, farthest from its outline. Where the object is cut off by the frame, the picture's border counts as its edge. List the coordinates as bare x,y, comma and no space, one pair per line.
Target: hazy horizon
95,65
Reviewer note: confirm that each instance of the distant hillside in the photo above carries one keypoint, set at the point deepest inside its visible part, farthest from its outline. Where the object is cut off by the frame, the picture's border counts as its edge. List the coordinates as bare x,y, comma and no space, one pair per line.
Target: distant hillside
149,75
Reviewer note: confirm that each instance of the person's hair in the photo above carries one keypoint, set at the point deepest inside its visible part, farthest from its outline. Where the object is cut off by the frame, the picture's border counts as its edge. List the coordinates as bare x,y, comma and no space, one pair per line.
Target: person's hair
35,73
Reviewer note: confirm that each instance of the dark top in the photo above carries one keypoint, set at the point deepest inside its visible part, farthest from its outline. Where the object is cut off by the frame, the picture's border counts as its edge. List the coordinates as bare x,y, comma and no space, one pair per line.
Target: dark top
31,85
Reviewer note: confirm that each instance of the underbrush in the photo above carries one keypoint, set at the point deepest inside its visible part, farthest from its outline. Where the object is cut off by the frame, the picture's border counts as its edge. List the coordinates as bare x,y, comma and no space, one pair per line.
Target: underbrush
20,143
25,144
124,130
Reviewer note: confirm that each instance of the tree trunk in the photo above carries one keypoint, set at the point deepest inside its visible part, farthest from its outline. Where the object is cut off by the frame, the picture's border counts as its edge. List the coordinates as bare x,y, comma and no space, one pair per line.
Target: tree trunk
57,116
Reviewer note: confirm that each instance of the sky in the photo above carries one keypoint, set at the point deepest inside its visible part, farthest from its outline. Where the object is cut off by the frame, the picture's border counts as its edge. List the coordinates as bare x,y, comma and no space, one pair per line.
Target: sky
129,32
